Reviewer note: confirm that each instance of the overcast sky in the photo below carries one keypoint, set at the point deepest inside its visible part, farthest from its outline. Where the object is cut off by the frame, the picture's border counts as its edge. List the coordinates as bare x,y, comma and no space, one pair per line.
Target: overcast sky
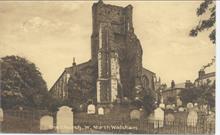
50,34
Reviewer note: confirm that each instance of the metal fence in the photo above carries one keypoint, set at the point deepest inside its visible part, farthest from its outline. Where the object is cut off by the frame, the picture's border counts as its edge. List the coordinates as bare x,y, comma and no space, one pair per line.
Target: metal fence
143,126
29,122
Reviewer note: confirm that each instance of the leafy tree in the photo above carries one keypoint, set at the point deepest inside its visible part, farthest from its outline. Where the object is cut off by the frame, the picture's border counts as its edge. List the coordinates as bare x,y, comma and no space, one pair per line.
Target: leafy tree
21,83
171,100
204,94
205,24
81,89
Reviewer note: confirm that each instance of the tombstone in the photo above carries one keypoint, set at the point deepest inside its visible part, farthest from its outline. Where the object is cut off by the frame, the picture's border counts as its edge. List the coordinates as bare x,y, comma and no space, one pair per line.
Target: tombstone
158,118
101,111
181,109
169,107
192,118
135,115
189,106
1,115
91,109
195,104
162,106
46,122
211,118
196,107
65,120
173,106
169,119
179,102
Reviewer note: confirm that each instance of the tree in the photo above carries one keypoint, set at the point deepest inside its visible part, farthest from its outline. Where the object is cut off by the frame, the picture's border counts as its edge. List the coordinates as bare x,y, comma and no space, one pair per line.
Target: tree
81,89
205,24
204,94
21,83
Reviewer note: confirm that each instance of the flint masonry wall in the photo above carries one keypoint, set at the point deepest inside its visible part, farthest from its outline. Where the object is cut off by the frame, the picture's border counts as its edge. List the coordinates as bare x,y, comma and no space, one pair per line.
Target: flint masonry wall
122,40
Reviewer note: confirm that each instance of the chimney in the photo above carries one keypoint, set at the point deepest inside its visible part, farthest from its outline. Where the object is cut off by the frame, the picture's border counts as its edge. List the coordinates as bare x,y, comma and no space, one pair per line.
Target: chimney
74,62
201,73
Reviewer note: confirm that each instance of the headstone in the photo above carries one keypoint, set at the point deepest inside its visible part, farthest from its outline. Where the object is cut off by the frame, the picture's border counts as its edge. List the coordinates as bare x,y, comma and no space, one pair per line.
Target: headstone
173,105
189,105
181,109
169,107
46,122
65,120
195,104
169,119
1,115
179,102
192,118
158,118
20,108
162,105
135,115
211,117
101,111
91,109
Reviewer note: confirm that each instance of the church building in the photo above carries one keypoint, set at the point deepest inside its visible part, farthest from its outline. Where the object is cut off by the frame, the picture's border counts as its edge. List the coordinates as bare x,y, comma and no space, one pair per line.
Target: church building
115,70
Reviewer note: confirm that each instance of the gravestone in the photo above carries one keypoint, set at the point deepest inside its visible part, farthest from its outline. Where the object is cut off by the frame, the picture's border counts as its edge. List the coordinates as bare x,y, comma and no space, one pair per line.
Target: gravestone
189,106
101,111
169,119
91,109
65,120
169,107
181,109
135,115
162,105
46,122
158,118
1,115
179,102
211,118
192,118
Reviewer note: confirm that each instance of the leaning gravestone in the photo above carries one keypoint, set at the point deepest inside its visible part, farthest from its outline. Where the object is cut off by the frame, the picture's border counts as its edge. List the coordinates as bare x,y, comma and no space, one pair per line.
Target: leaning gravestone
65,120
1,115
135,115
169,119
91,109
192,118
46,122
158,118
101,111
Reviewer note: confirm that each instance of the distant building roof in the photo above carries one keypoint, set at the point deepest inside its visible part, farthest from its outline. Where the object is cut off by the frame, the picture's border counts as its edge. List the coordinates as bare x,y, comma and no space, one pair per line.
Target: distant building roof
206,76
177,86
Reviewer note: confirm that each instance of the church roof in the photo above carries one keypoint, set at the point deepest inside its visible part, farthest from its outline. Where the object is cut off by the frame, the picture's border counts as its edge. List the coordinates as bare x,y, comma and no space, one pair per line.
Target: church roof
144,70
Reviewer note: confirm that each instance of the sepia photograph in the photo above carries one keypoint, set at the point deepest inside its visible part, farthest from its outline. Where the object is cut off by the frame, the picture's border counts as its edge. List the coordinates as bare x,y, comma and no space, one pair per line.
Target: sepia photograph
108,67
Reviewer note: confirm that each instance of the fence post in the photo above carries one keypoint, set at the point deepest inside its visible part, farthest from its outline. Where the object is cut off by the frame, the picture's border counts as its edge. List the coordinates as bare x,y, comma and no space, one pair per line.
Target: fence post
158,126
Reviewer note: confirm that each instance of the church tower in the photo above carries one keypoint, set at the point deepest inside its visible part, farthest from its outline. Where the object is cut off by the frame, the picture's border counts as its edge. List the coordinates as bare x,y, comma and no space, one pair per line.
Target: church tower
117,52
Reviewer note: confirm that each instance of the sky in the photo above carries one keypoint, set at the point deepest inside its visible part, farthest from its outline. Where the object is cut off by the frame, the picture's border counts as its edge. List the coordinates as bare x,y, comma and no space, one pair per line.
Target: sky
50,34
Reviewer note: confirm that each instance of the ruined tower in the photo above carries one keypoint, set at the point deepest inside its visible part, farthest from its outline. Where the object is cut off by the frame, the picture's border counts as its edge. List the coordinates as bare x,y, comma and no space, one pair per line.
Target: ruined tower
117,51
